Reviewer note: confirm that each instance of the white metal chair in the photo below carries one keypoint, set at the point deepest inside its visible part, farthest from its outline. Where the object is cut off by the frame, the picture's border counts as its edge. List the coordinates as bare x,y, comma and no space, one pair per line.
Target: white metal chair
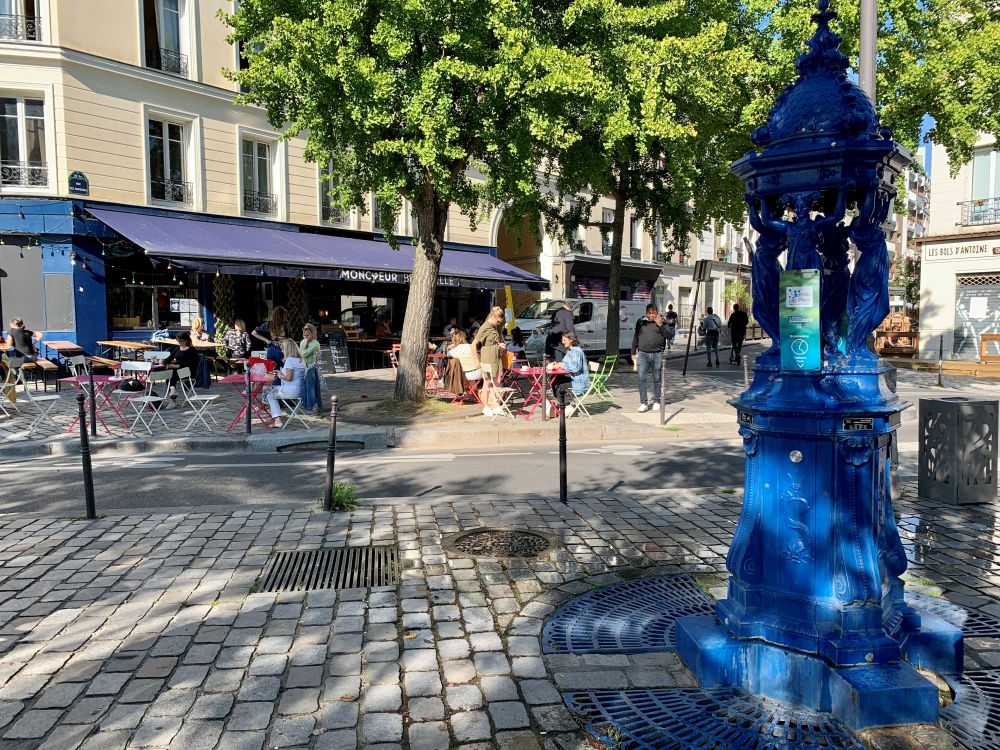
502,394
8,388
578,402
154,356
197,401
43,405
150,402
130,369
78,365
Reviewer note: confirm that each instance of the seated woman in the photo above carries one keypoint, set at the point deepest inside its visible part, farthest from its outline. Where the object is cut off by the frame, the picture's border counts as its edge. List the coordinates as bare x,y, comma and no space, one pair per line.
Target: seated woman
237,340
383,329
198,332
291,375
516,345
575,364
182,355
460,353
22,341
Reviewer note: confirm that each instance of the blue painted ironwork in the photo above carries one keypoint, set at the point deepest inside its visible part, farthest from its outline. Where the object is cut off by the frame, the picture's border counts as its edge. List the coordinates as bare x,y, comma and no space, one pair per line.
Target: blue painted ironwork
815,592
974,717
626,618
718,719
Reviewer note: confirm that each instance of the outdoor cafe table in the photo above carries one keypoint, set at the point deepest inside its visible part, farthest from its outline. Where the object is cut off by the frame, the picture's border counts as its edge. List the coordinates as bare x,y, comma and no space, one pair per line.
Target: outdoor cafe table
536,394
103,386
122,346
194,343
63,348
257,383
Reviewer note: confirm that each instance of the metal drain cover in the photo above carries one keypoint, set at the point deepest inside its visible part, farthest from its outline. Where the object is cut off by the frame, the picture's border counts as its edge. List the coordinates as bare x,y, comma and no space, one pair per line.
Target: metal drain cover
974,717
500,543
633,617
716,719
973,623
340,568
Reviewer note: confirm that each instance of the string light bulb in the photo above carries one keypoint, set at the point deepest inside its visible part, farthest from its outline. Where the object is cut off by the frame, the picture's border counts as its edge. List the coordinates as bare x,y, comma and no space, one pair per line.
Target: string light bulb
302,275
217,273
72,258
84,265
170,267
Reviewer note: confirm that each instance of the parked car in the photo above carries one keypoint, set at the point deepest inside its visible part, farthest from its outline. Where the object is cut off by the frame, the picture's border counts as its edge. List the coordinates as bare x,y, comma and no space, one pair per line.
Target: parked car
590,318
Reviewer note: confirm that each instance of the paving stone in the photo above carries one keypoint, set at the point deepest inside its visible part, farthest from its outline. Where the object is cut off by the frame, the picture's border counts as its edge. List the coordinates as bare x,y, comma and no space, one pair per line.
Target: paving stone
539,691
308,655
382,727
189,677
463,697
198,735
259,689
288,731
33,724
156,732
382,698
346,643
431,735
459,671
422,683
470,725
59,695
299,701
87,710
425,709
216,706
453,648
23,688
124,717
374,652
491,663
304,676
342,688
485,642
338,714
173,703
608,679
250,716
420,660
554,718
508,715
66,737
268,664
498,688
241,741
157,667
340,739
528,666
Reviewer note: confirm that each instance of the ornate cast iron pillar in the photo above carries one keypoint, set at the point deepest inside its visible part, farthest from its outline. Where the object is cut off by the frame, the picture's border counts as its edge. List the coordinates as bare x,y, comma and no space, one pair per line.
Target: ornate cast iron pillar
815,612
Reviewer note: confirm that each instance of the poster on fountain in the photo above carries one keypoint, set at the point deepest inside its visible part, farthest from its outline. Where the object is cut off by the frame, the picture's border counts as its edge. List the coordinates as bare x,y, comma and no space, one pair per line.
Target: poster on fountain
799,320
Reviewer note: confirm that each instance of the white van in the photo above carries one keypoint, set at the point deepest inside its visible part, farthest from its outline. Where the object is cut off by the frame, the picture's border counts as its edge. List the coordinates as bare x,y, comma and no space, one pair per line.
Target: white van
590,317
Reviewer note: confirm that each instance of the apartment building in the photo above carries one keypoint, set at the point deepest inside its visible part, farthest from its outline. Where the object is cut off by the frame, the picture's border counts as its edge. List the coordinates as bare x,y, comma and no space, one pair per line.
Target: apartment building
960,257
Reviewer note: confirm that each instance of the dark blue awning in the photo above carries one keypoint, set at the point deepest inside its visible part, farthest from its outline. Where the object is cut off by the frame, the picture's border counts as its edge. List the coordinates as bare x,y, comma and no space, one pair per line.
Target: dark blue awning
211,245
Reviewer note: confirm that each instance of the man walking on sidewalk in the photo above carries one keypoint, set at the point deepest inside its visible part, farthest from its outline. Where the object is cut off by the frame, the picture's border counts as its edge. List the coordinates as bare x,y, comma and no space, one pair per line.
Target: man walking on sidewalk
737,325
670,318
647,352
710,328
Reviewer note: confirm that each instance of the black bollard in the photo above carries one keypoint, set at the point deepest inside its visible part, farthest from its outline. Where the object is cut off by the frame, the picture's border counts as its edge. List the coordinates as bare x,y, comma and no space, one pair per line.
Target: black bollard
93,401
663,389
562,446
88,471
545,387
249,401
331,456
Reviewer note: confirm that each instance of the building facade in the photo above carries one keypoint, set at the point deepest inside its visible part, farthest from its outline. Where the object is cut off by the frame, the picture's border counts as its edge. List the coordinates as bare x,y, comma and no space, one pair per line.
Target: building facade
960,257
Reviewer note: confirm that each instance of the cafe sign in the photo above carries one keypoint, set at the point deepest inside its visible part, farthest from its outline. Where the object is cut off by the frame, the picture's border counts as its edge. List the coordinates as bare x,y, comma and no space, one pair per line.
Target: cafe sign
957,252
386,277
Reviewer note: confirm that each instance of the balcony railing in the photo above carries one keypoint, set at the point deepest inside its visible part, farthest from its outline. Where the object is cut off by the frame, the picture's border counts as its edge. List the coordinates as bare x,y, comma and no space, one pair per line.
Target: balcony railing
664,257
178,192
606,250
260,203
23,174
981,211
635,253
21,28
167,60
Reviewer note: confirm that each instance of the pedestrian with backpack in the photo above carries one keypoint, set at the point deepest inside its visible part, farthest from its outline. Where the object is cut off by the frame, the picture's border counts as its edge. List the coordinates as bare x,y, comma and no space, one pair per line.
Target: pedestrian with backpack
710,327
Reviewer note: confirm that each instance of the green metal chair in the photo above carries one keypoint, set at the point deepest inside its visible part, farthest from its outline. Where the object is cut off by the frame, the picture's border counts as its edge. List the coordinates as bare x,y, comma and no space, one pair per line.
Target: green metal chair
599,381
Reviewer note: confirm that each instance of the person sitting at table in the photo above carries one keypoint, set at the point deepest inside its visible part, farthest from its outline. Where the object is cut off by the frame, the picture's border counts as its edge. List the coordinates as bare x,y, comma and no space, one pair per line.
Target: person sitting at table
274,329
21,341
309,346
291,376
182,355
577,376
198,332
516,344
383,330
237,340
452,325
461,350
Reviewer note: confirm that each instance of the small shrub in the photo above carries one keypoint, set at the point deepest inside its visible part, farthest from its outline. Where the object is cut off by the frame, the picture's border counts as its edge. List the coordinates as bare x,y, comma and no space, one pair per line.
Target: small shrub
343,496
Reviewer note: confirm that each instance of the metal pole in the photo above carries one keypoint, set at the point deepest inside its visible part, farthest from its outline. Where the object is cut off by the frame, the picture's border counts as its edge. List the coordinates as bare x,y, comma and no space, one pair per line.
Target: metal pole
867,47
694,309
249,400
746,371
88,471
331,456
940,360
562,446
93,400
663,389
545,387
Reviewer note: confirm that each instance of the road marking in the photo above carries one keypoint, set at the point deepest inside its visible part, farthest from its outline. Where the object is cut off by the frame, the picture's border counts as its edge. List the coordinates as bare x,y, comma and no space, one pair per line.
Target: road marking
490,455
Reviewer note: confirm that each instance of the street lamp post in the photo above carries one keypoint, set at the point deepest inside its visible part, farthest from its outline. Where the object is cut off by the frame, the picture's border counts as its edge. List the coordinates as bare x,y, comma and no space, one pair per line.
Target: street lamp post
867,47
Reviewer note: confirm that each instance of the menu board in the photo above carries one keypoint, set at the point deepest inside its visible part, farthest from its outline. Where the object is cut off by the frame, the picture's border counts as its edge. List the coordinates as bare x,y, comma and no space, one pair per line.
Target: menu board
186,307
338,352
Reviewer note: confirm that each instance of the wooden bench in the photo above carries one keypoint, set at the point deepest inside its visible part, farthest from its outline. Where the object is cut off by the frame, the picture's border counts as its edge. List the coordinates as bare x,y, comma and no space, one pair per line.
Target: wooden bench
105,362
984,339
46,367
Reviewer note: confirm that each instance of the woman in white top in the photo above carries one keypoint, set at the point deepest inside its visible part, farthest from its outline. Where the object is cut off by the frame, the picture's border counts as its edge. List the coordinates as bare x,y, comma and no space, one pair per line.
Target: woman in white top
461,350
292,374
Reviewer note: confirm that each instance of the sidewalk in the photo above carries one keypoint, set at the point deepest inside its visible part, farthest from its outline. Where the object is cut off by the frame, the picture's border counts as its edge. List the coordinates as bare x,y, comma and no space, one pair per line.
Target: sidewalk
144,631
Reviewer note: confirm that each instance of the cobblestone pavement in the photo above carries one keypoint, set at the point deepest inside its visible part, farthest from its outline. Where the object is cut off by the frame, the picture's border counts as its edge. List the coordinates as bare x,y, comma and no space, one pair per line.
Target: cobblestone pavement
143,631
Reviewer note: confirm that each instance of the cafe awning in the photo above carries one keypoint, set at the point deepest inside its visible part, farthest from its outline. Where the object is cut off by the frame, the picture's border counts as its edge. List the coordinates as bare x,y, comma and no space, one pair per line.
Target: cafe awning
213,244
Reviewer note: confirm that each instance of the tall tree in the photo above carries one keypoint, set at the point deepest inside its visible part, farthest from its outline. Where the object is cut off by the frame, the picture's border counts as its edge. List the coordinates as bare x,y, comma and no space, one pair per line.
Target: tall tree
677,90
408,99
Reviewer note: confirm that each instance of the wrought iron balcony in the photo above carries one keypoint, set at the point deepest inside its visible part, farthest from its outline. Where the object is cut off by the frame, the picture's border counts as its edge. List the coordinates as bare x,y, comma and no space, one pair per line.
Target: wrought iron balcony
664,257
21,28
260,203
24,174
178,192
606,250
332,215
635,253
980,211
167,60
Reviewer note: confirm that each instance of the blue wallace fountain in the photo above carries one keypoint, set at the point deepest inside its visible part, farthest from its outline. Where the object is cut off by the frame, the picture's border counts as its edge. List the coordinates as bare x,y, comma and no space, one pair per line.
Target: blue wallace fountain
815,613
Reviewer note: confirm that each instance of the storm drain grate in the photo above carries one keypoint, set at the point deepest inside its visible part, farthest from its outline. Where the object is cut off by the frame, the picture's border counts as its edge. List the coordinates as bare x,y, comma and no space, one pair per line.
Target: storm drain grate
716,719
632,617
974,718
974,624
340,568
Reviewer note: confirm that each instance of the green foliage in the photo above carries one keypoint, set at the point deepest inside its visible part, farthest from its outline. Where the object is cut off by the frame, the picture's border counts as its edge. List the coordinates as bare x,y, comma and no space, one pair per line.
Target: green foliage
343,496
739,292
906,274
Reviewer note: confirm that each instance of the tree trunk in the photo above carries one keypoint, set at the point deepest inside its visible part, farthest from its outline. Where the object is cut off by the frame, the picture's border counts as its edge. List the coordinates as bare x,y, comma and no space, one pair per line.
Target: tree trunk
612,342
431,216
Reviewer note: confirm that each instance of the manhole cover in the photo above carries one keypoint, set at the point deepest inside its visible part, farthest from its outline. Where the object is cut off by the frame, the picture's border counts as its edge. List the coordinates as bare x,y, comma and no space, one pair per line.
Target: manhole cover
974,717
973,623
627,618
340,568
501,543
716,719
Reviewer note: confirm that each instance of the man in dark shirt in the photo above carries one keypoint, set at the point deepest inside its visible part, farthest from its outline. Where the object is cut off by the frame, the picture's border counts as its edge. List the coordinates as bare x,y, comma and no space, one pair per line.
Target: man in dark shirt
670,320
21,341
648,344
737,325
562,322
